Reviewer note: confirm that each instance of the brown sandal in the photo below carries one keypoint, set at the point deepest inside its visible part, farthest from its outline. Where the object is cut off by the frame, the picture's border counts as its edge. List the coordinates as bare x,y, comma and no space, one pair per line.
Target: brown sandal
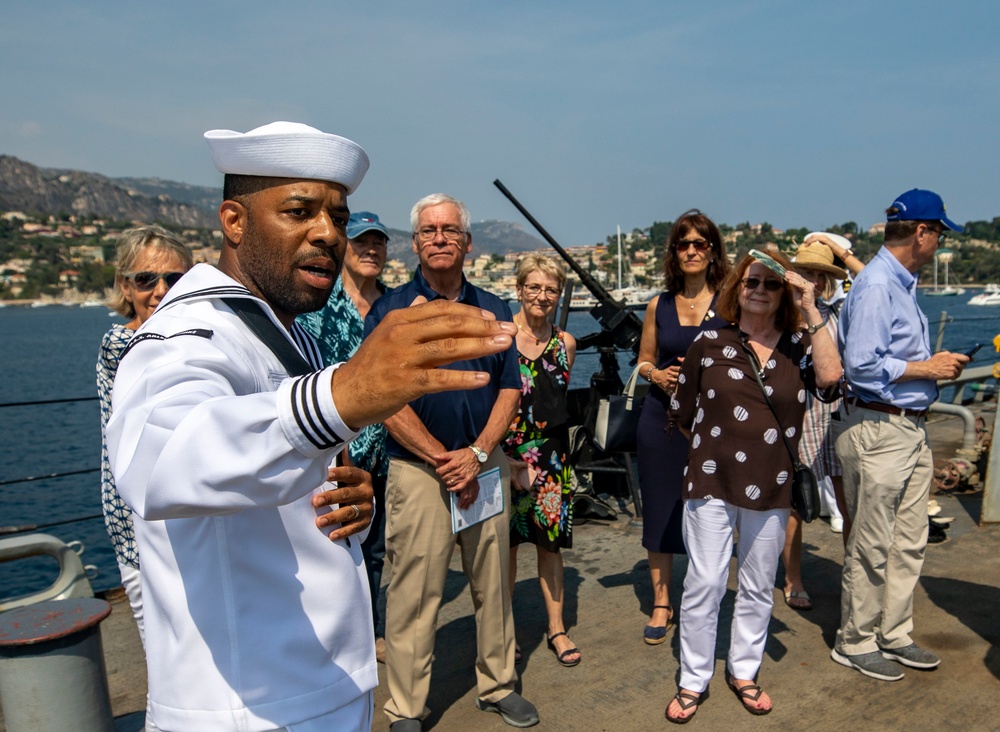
750,692
692,701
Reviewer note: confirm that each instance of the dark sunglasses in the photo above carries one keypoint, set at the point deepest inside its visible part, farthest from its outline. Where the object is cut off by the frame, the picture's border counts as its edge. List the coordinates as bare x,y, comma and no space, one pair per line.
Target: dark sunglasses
752,283
700,244
146,281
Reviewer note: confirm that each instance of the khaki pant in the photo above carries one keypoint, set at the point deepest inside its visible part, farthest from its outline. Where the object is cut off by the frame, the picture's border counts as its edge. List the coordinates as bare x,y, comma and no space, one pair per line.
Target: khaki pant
887,476
419,545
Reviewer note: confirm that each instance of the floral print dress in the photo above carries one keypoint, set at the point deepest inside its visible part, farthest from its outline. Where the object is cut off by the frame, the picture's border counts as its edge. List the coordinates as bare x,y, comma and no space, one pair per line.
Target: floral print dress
539,435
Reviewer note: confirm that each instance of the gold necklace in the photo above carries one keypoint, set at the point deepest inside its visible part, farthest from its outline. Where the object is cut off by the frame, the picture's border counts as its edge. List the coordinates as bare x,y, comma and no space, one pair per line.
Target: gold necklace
538,341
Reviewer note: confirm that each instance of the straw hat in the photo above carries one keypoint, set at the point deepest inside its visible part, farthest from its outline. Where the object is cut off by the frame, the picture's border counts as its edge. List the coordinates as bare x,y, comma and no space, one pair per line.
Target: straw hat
817,255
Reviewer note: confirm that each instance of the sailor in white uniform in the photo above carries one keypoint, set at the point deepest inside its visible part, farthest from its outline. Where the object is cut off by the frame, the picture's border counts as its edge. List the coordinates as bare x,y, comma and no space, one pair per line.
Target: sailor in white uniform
257,602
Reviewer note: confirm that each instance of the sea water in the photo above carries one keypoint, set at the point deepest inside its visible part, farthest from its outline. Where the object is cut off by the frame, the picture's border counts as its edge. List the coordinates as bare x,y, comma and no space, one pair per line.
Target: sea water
50,354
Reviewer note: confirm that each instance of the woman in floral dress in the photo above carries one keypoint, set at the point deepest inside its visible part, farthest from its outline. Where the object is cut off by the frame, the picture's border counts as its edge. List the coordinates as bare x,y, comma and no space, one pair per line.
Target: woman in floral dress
542,499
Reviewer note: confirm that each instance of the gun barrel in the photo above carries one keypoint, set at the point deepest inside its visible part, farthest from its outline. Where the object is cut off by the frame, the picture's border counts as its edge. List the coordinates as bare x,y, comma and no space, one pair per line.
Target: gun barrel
615,318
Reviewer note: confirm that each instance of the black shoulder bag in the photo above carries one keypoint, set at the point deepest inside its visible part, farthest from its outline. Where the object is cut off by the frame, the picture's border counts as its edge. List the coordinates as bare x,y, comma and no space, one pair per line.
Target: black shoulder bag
805,492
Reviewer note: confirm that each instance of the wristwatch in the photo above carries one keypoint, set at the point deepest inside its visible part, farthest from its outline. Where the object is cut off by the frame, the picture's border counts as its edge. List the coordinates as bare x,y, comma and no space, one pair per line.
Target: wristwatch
481,455
811,330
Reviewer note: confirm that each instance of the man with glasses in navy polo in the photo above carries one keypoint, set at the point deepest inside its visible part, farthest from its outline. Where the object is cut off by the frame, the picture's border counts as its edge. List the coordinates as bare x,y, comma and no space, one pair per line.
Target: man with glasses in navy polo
881,441
439,444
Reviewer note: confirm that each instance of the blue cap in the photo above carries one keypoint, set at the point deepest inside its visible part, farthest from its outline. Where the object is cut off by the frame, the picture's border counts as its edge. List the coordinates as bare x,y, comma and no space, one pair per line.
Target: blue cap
918,205
363,221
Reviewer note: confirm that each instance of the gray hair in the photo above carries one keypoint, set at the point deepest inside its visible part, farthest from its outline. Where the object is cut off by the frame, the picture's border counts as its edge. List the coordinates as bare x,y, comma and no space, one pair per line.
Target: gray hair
131,244
436,199
535,262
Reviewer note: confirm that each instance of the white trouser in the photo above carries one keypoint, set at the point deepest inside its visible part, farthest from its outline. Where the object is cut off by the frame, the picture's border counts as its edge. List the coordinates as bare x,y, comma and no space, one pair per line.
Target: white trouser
132,584
828,499
353,717
709,526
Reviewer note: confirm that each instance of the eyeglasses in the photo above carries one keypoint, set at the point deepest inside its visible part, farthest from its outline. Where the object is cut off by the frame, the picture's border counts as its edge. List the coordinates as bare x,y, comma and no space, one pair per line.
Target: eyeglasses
450,233
771,285
536,290
938,232
146,281
700,244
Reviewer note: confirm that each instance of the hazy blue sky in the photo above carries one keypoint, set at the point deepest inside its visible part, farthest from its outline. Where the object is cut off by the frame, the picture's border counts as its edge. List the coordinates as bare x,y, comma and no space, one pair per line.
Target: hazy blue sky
593,114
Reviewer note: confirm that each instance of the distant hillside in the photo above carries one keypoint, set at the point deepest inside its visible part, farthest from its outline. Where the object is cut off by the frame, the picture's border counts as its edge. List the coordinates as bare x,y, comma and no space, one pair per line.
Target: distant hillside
198,196
26,187
491,237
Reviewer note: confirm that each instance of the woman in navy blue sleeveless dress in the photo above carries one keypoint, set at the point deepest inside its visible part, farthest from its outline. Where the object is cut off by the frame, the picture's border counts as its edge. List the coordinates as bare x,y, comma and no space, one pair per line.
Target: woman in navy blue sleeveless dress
694,264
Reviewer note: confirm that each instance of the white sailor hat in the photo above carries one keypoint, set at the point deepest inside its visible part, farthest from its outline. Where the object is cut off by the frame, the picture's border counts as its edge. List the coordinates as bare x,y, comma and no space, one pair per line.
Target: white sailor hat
289,150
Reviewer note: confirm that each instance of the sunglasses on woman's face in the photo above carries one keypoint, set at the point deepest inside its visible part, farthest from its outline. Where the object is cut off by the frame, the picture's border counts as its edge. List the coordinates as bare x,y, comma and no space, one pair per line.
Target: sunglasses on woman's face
700,244
771,285
146,281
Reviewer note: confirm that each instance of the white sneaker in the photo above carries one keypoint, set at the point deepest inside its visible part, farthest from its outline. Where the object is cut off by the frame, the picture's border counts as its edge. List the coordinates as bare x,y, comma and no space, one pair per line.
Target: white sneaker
837,524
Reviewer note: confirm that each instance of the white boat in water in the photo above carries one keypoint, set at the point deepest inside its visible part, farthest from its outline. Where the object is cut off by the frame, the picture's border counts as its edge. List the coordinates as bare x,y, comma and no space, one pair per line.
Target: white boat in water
989,296
947,289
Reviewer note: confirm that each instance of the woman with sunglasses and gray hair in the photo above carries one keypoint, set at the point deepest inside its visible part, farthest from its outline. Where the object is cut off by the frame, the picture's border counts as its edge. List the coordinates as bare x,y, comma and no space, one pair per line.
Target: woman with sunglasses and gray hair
149,261
739,472
694,266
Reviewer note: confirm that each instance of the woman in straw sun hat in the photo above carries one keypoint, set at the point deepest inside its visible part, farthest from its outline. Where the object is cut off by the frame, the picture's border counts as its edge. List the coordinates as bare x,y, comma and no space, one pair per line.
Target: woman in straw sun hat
814,260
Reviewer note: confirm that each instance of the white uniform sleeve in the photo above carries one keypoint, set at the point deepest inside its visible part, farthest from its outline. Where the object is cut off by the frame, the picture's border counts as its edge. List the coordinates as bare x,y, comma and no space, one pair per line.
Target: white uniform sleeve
199,430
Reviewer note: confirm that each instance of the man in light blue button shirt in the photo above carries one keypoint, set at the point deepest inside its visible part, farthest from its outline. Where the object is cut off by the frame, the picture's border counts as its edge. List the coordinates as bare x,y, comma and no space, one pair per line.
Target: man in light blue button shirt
882,442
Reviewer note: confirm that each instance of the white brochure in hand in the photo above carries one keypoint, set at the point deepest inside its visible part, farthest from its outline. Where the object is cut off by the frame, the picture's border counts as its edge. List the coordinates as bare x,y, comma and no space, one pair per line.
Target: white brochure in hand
488,503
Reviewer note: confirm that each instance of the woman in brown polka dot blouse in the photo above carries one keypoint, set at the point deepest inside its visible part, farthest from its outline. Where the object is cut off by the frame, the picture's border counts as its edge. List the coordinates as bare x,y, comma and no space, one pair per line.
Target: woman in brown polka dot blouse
739,472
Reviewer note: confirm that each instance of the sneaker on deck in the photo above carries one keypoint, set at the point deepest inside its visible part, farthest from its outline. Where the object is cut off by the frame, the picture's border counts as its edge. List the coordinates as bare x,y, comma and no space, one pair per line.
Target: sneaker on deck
873,665
913,656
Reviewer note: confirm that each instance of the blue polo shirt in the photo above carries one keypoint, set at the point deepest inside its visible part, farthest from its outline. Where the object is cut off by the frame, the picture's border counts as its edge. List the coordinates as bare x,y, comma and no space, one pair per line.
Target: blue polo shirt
881,329
456,418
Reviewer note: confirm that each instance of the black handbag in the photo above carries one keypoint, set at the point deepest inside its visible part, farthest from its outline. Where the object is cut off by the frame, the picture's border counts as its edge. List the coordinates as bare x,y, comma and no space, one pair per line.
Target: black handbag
617,420
805,491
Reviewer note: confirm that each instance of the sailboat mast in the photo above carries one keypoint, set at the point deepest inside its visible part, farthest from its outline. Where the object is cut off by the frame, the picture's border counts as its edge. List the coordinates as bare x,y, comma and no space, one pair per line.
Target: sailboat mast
619,257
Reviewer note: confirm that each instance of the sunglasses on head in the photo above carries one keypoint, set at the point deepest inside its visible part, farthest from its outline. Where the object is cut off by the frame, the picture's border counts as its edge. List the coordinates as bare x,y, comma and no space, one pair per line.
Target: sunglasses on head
700,244
772,285
146,281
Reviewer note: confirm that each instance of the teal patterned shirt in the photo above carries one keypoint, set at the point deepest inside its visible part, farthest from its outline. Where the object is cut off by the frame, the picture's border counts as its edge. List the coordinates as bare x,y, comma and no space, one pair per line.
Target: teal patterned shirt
338,329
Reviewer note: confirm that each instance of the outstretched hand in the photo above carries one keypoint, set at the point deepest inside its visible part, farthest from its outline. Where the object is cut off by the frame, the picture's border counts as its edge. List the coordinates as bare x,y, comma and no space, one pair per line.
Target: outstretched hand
398,362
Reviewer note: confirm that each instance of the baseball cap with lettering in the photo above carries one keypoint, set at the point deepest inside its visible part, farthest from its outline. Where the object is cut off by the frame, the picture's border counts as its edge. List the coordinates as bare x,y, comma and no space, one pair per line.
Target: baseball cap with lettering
920,205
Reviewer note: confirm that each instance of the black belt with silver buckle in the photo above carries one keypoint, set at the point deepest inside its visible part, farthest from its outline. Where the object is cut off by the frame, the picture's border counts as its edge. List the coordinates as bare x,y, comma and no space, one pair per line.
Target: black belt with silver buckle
887,408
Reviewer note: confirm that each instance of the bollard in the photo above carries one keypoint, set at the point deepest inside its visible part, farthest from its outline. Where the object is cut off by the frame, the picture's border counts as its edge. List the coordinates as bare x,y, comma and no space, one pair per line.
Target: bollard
52,674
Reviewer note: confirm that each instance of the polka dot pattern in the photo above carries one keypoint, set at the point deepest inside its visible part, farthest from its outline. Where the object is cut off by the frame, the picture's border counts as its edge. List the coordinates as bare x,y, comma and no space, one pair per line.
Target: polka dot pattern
737,452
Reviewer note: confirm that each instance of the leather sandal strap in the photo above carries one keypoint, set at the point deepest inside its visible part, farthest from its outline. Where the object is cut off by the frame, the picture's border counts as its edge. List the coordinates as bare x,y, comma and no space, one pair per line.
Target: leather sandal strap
745,692
693,700
555,635
568,652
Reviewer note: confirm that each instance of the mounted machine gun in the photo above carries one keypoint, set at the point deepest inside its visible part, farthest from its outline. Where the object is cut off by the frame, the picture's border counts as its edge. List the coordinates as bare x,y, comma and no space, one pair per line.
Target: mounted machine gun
621,329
